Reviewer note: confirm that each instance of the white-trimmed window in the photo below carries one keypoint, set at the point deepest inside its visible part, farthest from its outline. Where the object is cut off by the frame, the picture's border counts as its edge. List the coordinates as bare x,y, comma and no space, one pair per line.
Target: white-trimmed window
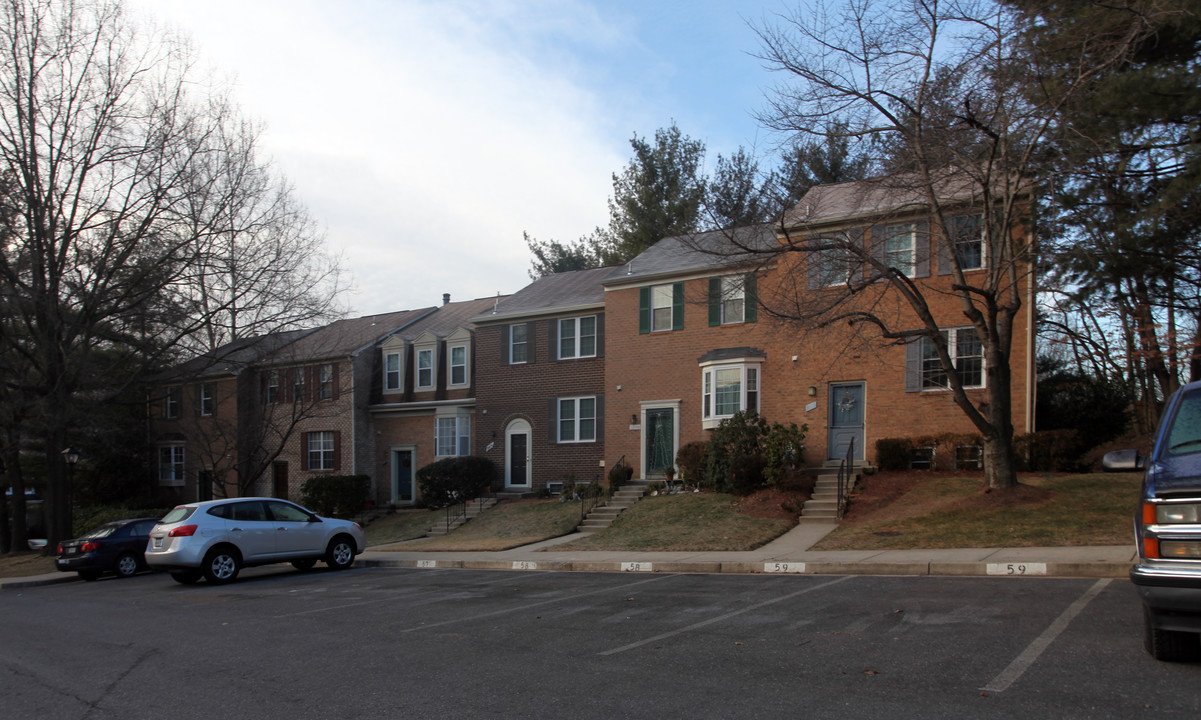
321,450
425,368
298,380
171,402
577,419
453,436
171,465
577,337
899,246
836,264
518,344
392,376
325,381
733,299
969,241
208,398
272,393
728,389
966,351
661,307
458,365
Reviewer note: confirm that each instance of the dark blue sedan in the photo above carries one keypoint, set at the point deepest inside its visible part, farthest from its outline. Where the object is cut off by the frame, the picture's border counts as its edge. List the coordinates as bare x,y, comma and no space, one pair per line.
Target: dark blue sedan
118,546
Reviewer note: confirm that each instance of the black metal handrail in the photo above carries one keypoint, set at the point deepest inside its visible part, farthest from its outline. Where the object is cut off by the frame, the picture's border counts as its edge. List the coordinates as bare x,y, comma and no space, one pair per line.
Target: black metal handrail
846,470
459,510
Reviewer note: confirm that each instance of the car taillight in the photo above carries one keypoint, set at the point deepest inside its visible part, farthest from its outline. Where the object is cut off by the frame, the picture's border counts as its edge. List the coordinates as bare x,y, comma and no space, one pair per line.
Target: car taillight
183,531
60,549
89,546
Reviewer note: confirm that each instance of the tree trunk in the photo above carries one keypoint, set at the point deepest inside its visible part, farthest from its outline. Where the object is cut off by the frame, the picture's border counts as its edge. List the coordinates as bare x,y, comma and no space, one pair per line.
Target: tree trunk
16,481
1000,462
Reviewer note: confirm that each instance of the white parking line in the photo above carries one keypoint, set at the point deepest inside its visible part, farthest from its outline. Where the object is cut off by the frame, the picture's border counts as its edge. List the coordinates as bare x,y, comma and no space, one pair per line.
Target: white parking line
561,599
719,618
1023,662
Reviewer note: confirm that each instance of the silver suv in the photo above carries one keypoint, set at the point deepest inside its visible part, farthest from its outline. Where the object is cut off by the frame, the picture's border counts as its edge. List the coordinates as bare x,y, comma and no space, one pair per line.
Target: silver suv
216,539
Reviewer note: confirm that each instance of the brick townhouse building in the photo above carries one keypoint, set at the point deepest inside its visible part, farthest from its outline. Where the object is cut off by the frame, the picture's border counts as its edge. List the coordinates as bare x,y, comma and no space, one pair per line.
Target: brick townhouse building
703,326
260,416
541,393
423,401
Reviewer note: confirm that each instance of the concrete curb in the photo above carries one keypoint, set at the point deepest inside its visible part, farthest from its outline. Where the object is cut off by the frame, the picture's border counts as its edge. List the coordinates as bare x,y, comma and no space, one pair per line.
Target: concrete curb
36,580
914,568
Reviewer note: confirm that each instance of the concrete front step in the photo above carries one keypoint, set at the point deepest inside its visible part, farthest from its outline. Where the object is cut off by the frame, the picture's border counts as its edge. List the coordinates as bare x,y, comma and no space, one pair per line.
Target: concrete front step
603,516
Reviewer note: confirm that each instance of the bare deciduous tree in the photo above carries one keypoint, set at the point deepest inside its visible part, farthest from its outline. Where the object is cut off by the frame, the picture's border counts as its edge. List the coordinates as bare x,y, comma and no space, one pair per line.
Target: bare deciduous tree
131,187
938,86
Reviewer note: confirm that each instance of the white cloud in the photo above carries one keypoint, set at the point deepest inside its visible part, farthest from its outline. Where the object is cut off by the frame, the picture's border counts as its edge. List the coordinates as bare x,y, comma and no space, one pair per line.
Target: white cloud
428,134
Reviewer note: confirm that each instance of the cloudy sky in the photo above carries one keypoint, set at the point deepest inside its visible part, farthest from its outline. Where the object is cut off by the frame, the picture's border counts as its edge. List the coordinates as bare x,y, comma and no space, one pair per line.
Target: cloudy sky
427,135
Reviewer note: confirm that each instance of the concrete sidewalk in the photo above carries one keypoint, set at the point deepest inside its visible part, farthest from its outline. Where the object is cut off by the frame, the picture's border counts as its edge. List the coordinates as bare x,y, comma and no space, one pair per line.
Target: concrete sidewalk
789,553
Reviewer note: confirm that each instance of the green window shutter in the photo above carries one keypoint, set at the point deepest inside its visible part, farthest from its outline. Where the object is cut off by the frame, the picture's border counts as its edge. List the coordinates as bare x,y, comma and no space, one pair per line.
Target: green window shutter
750,297
714,301
677,306
644,310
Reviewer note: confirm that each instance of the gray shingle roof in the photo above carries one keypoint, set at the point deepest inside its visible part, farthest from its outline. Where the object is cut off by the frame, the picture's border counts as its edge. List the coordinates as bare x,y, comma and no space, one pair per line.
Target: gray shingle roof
876,197
233,357
701,251
451,317
554,293
347,337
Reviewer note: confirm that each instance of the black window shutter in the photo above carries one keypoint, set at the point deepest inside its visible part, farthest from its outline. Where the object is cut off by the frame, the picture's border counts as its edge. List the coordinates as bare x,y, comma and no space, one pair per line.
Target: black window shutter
552,340
750,295
552,420
600,335
677,306
714,301
644,310
600,418
504,345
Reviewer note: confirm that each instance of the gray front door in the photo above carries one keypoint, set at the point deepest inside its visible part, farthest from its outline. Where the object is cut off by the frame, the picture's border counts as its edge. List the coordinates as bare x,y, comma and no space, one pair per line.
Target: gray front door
845,421
402,477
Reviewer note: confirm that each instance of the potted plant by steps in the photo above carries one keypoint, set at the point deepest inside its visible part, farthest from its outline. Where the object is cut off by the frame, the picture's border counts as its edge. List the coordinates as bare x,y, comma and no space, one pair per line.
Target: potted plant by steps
669,473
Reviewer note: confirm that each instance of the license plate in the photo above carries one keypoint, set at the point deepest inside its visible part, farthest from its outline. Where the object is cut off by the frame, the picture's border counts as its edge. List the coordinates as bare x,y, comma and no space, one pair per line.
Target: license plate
62,562
158,542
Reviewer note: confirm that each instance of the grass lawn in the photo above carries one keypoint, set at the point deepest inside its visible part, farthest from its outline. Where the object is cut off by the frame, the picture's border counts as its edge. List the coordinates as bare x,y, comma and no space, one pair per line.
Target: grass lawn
508,525
690,521
400,526
896,511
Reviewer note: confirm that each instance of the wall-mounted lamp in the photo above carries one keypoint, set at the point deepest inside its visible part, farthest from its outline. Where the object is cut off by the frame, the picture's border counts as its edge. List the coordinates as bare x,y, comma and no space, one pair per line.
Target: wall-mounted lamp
633,419
812,391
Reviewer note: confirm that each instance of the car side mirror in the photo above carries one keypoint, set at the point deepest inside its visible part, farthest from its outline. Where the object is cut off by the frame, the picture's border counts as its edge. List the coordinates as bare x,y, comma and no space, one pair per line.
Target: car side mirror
1123,461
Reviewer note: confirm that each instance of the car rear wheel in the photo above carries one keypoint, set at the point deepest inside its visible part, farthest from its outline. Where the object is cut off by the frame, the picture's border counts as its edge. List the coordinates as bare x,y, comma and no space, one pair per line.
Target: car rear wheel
1169,645
340,554
126,565
221,565
306,564
185,577
89,575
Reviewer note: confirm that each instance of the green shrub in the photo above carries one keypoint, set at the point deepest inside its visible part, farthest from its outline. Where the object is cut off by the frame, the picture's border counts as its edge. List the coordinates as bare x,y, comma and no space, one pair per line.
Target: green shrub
454,480
1050,451
691,460
619,475
782,450
735,461
336,495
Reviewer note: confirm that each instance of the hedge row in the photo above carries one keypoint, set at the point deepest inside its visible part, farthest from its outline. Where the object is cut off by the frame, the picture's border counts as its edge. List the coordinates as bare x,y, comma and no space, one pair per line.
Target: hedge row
1045,451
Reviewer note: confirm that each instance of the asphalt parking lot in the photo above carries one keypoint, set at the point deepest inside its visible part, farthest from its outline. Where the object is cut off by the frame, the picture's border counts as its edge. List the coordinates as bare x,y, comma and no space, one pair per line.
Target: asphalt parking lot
483,644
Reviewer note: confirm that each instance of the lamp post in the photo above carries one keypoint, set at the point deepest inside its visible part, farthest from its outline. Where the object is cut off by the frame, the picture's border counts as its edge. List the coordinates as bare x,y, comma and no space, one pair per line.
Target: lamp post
71,456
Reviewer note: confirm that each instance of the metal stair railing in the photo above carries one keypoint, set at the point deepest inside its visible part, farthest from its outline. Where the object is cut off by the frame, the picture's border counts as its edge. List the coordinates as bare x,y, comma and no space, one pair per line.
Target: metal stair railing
846,470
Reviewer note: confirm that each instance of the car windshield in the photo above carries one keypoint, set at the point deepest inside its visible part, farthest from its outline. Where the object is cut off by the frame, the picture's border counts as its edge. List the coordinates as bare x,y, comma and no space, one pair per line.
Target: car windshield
177,514
103,531
1184,437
